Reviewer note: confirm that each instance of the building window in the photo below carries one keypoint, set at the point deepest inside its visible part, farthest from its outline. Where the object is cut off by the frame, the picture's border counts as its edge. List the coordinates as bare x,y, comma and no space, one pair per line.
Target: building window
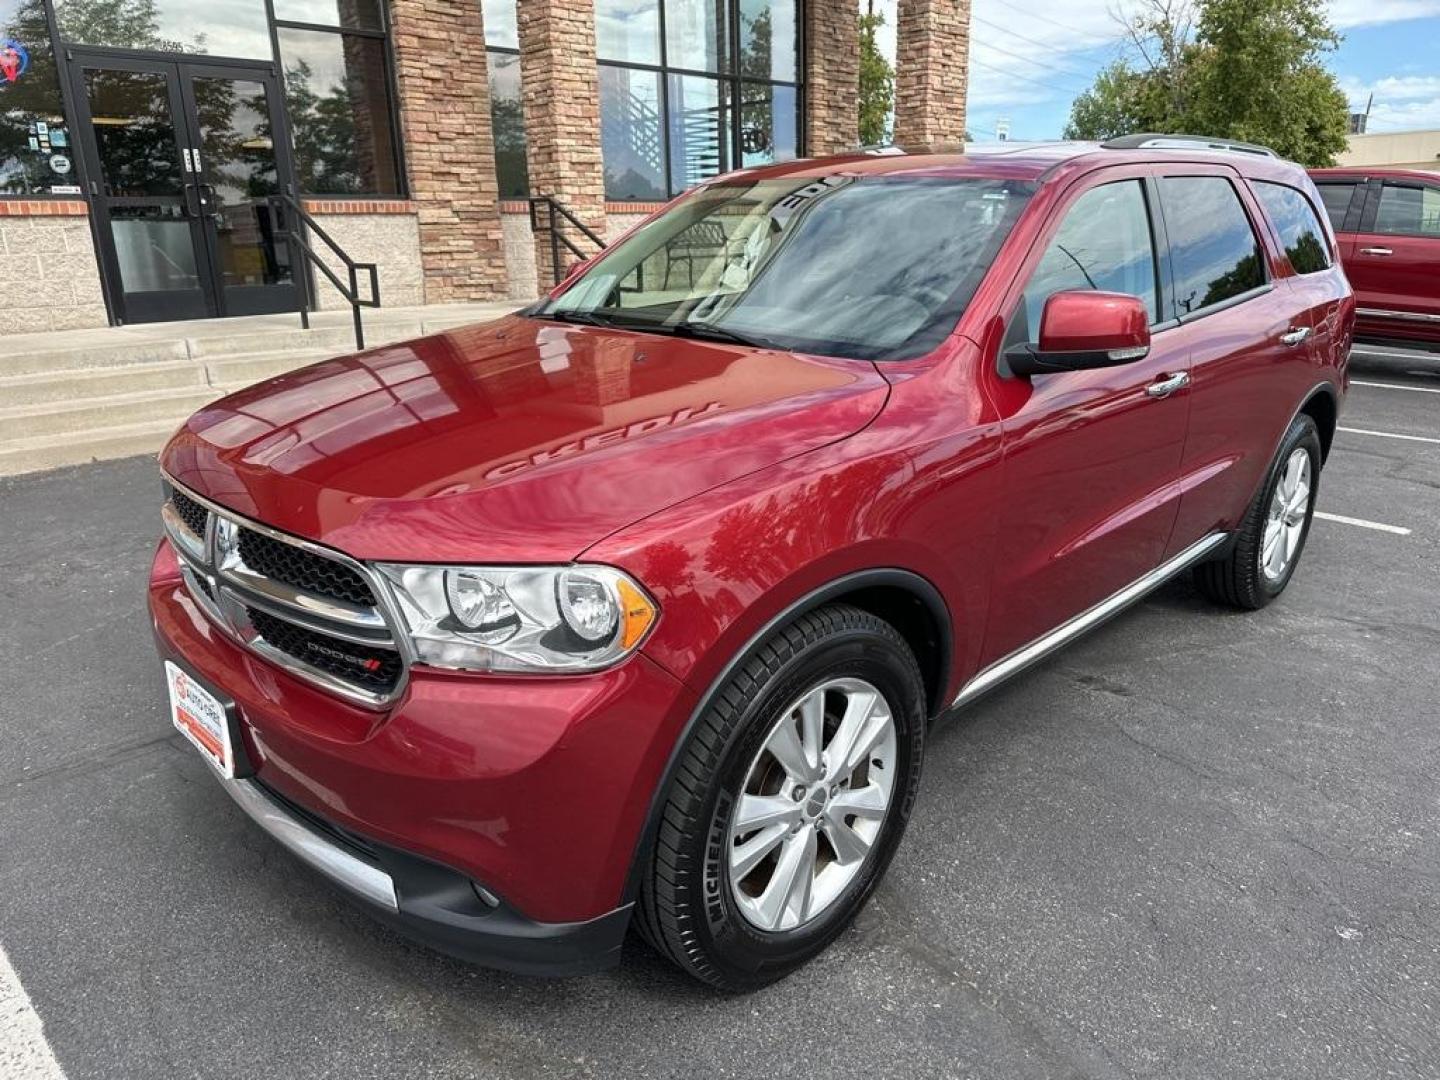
35,153
337,89
507,115
239,28
692,88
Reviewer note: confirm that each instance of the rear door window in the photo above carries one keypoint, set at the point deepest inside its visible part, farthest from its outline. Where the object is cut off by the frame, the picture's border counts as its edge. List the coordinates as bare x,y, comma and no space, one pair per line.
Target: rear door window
1103,243
1336,198
1213,250
1408,210
1299,227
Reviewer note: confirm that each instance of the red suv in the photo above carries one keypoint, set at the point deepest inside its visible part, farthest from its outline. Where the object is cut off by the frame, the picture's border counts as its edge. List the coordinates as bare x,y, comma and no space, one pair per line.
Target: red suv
1388,226
636,607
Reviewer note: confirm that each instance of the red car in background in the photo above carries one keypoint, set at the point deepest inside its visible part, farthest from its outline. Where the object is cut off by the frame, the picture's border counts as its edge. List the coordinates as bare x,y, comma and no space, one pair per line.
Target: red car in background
635,608
1388,225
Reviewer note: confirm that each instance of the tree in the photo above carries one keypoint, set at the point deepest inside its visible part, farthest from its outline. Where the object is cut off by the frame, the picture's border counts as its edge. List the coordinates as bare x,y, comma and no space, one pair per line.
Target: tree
1240,69
877,82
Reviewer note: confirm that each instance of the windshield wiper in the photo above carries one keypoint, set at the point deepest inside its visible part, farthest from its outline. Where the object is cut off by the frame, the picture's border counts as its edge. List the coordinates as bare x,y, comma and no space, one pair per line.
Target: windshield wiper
711,332
583,318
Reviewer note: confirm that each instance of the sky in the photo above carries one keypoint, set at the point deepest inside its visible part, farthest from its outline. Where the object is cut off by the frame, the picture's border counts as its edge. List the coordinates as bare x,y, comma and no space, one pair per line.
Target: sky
1030,58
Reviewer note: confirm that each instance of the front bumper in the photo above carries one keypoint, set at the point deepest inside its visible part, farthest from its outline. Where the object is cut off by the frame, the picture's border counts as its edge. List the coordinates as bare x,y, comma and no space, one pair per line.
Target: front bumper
493,818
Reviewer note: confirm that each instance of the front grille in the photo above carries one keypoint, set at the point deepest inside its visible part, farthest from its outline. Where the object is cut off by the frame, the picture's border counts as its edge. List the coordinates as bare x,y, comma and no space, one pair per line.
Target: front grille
203,584
374,669
190,512
303,570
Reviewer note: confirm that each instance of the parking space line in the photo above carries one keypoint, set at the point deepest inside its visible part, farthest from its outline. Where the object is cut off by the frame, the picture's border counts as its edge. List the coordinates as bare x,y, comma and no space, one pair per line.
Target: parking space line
1379,526
1396,386
24,1052
1389,435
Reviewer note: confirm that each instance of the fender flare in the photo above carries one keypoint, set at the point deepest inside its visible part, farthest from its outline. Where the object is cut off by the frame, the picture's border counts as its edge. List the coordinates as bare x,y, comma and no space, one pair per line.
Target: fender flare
895,577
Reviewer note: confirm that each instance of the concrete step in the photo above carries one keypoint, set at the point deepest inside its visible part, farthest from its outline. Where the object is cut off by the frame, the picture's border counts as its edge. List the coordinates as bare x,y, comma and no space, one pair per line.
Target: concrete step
58,387
82,417
339,339
113,352
244,369
101,444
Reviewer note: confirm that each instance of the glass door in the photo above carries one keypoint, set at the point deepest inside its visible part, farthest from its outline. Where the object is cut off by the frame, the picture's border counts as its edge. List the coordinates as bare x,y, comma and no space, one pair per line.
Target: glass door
239,164
135,138
183,159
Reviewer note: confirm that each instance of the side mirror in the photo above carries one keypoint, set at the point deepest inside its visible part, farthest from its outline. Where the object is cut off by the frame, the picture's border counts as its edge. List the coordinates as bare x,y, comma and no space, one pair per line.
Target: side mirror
1083,330
575,268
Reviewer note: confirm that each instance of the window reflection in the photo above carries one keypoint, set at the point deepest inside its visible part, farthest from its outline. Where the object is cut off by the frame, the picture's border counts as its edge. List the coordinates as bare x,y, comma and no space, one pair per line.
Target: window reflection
630,134
339,107
697,34
699,126
1298,225
236,28
1213,249
134,132
349,14
33,135
500,24
507,117
767,39
628,30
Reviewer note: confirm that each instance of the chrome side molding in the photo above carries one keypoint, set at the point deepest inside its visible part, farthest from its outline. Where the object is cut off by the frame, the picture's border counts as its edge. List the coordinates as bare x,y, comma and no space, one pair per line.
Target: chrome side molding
311,847
1404,316
1066,632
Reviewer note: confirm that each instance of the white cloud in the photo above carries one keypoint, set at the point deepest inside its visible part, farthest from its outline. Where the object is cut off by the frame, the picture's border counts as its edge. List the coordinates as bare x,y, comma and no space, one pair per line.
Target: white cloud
1349,13
1402,102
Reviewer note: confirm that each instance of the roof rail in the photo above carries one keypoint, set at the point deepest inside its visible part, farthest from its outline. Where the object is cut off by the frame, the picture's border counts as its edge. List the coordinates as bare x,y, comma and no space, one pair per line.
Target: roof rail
1155,141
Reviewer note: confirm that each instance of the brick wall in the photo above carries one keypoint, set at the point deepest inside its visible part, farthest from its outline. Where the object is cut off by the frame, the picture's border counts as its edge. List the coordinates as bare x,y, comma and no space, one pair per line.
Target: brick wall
445,124
832,64
560,92
931,66
49,276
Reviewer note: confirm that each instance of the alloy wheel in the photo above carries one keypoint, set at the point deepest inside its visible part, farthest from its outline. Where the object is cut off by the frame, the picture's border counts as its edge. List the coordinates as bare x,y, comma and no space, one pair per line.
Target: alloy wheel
1285,521
813,802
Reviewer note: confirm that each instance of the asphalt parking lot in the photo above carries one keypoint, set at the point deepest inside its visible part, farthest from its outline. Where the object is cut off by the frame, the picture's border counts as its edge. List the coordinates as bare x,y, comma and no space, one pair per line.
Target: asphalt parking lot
1196,844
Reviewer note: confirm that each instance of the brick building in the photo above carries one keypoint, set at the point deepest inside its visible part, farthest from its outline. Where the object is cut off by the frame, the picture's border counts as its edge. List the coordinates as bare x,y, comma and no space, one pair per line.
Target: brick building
145,161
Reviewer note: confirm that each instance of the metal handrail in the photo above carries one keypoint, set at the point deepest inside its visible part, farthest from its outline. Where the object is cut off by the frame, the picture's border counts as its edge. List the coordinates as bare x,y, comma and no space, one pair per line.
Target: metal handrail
295,240
557,215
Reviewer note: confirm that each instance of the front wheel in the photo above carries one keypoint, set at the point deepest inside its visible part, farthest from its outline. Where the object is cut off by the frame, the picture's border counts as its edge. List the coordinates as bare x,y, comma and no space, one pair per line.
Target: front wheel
1272,535
790,797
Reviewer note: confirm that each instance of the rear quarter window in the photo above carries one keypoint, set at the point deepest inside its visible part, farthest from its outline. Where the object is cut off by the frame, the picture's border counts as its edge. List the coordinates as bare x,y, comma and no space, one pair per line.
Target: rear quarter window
1214,253
1297,224
1336,198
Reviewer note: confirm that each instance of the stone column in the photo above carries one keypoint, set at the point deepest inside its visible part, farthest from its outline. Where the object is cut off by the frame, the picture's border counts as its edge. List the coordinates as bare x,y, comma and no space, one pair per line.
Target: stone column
832,66
560,93
931,71
445,123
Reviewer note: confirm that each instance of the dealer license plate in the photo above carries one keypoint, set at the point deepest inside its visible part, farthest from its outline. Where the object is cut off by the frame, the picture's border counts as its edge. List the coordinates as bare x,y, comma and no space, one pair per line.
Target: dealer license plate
201,717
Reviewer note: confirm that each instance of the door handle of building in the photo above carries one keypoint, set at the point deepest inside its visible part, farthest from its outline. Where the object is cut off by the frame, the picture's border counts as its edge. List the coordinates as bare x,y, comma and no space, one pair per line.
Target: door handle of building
1296,336
1376,251
1168,384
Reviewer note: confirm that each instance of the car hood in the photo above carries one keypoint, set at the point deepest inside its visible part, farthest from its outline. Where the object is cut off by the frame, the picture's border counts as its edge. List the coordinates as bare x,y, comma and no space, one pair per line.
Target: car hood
518,440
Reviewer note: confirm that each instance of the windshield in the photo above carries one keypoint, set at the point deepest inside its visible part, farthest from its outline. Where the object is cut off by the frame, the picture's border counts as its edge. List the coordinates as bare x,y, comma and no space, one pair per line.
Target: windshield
872,268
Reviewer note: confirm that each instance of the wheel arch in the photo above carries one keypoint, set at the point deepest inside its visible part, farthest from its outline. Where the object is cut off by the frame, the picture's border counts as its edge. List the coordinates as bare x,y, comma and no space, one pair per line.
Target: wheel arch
903,598
1323,406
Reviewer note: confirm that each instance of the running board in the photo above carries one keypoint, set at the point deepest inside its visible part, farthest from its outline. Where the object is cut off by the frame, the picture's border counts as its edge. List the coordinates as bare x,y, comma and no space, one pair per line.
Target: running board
1066,632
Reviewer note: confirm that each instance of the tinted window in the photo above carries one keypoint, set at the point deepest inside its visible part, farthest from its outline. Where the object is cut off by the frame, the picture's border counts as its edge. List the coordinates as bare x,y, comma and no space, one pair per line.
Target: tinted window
35,152
870,268
232,28
1104,243
1213,249
1408,211
507,115
1300,230
1336,198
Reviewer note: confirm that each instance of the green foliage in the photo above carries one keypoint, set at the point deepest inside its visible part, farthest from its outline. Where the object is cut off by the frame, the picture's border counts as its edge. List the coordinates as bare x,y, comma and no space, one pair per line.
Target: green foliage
877,83
1251,70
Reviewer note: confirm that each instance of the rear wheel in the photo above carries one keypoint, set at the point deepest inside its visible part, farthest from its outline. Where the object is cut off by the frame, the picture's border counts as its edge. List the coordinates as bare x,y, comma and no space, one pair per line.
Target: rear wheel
789,800
1272,535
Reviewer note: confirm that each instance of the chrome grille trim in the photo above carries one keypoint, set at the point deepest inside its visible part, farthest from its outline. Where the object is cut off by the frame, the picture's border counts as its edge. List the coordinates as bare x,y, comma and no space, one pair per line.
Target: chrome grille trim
234,586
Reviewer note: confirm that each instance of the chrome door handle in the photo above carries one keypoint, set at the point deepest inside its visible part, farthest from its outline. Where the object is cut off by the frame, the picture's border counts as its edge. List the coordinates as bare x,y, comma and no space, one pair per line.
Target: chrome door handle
1168,384
1376,251
1295,337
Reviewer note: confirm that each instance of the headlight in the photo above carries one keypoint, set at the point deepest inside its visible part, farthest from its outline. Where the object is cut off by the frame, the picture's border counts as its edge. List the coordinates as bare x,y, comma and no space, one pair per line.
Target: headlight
520,618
